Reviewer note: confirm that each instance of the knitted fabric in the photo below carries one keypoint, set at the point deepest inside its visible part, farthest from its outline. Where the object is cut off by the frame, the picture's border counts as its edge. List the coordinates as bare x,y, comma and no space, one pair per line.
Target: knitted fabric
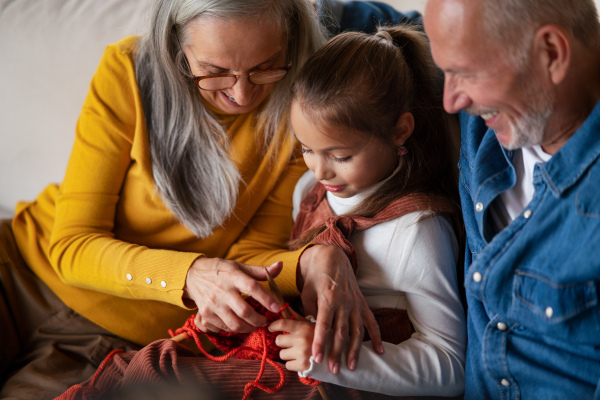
80,392
256,345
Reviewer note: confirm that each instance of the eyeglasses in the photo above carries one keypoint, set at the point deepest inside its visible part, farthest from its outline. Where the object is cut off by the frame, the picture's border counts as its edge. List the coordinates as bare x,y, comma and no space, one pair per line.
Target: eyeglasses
226,81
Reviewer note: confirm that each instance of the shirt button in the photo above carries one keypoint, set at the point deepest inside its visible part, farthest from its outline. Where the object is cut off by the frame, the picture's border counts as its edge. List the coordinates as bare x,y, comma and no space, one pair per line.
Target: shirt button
527,213
505,382
477,277
148,281
129,277
501,326
549,312
479,207
163,284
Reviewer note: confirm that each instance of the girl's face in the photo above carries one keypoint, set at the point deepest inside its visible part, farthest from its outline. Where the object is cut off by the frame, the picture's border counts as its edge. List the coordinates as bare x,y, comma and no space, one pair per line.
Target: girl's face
345,162
235,46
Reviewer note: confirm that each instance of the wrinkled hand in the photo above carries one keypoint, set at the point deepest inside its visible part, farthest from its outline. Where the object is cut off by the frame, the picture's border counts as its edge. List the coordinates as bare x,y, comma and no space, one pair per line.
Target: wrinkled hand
215,285
330,291
296,344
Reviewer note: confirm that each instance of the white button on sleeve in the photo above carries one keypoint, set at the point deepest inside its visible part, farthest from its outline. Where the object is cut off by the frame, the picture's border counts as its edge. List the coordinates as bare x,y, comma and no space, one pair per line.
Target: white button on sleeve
129,277
505,382
148,281
163,284
477,277
501,326
549,312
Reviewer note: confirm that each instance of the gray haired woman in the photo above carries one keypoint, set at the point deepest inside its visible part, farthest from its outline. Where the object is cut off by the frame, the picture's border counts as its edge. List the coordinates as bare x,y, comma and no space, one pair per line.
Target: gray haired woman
179,184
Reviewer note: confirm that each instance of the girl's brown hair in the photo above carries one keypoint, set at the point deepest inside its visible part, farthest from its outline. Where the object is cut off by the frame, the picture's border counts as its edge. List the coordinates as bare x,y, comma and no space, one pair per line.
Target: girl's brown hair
364,83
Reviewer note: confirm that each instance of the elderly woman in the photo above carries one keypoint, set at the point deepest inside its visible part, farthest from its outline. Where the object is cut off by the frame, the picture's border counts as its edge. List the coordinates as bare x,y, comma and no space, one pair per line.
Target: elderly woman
179,184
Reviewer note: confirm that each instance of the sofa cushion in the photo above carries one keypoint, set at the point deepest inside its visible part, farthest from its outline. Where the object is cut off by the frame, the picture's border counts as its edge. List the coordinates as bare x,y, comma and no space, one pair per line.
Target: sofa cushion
50,50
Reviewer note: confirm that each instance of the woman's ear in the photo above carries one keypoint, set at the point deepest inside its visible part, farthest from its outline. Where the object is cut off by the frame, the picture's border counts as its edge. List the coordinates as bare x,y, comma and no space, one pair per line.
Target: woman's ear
404,128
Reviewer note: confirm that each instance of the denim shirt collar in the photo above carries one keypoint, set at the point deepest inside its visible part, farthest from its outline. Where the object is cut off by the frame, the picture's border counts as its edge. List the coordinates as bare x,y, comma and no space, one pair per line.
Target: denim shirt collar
568,164
494,172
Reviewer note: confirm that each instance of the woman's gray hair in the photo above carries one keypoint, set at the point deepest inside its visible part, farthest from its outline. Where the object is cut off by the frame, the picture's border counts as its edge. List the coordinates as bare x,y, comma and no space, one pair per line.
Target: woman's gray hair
514,22
193,172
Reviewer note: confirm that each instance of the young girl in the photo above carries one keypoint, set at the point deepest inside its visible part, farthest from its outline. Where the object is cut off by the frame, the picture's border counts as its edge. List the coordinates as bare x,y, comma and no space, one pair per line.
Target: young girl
368,114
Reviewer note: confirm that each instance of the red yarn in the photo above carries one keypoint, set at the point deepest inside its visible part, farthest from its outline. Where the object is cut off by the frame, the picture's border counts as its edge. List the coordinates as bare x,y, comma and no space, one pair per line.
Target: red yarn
256,345
79,392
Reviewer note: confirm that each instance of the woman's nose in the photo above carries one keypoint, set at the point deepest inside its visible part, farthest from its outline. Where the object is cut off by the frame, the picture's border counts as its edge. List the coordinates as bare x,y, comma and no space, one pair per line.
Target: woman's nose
242,91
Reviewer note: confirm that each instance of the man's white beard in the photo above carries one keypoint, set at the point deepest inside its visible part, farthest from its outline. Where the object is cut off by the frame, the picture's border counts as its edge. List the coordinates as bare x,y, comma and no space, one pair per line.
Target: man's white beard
529,130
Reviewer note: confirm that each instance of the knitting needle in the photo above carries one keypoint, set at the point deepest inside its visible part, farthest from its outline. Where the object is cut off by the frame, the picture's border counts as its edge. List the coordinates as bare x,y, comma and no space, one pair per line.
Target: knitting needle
178,338
275,289
287,315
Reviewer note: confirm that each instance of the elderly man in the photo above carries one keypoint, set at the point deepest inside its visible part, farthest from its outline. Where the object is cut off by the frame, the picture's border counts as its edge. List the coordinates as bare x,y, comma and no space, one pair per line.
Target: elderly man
528,73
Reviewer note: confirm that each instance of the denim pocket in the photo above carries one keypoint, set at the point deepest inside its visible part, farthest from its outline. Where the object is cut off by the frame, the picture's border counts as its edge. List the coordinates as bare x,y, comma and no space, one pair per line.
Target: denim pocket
566,310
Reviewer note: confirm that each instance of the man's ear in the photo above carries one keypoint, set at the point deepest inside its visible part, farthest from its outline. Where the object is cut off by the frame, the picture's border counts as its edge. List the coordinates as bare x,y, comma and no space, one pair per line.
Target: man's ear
552,46
404,128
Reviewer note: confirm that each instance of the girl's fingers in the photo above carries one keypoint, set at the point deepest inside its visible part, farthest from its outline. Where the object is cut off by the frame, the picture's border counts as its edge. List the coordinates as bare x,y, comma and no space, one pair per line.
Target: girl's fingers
287,354
286,325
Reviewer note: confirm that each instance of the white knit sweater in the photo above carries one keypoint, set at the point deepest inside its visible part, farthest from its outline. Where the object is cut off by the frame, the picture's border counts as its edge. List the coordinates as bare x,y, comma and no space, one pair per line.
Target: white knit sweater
410,265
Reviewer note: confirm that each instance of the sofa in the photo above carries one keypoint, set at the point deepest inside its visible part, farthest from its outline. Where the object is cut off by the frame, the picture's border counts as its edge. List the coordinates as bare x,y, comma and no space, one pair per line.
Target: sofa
50,50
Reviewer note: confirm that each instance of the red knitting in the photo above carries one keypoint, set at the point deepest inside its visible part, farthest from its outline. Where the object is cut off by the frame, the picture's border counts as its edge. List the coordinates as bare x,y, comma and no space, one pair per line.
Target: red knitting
257,345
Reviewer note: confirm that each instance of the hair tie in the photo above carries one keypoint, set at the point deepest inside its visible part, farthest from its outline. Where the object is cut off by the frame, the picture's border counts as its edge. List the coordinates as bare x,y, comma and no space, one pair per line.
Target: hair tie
385,35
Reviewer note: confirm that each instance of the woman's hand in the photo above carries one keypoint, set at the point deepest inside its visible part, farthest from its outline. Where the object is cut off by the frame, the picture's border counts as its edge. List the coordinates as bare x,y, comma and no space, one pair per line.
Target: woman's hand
330,291
297,344
215,285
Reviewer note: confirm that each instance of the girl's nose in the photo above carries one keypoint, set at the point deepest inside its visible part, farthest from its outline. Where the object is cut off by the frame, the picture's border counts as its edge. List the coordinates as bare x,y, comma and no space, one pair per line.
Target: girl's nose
321,170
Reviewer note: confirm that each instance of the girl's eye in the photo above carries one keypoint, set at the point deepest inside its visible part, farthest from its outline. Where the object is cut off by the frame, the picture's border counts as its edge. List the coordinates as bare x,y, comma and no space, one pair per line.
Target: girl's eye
306,151
342,159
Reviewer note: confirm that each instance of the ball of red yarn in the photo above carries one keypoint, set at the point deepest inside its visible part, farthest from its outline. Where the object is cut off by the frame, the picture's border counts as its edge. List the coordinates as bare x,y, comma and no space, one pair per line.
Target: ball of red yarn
227,341
256,345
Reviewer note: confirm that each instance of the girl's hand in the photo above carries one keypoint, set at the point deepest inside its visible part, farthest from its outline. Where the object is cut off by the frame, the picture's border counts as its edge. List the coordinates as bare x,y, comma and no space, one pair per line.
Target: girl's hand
297,345
330,291
215,285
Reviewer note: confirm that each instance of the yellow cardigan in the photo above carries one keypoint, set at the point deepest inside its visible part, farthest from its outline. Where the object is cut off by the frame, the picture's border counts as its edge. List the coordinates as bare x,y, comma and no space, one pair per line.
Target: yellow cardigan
105,243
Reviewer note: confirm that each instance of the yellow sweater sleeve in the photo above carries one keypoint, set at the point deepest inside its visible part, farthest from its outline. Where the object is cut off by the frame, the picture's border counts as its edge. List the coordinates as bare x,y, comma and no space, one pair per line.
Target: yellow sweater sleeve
263,241
83,250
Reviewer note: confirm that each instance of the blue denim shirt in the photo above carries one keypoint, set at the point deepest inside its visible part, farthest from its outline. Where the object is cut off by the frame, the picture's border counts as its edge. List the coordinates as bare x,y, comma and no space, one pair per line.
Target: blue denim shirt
532,289
363,16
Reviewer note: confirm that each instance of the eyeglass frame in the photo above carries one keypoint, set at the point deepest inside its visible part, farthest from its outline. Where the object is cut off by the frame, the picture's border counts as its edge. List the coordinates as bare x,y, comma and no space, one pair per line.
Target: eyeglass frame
197,79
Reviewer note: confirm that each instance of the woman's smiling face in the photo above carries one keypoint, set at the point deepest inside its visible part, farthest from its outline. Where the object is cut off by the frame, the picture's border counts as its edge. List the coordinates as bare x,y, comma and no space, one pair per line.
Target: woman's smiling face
234,46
